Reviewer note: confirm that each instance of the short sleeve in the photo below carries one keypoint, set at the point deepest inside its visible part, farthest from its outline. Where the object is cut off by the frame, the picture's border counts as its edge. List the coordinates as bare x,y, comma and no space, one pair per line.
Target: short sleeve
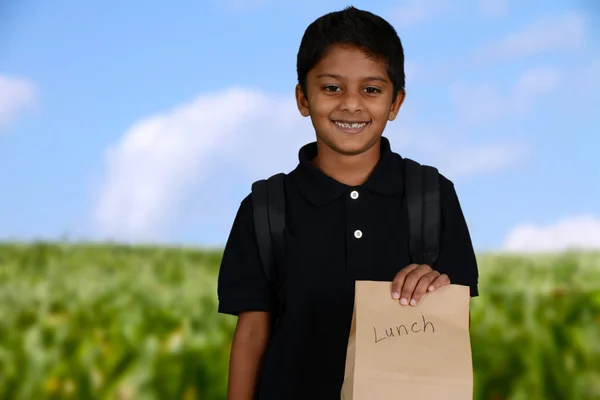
242,285
457,257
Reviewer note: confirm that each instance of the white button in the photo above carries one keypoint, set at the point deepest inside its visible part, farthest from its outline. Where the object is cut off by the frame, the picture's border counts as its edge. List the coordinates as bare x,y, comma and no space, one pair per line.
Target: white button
354,195
357,234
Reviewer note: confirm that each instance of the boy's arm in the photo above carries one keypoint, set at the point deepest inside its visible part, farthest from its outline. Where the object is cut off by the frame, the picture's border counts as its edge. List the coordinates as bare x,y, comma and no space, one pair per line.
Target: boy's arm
247,350
457,256
456,262
244,292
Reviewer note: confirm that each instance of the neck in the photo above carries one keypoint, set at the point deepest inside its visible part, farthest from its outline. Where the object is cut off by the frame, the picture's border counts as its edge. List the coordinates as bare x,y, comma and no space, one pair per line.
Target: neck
351,170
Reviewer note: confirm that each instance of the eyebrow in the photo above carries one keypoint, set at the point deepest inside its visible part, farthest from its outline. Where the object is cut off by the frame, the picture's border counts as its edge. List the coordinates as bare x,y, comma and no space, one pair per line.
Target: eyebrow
366,78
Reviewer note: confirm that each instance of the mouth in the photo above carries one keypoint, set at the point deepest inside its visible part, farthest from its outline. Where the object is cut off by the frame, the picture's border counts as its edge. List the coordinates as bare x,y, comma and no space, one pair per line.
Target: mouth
351,126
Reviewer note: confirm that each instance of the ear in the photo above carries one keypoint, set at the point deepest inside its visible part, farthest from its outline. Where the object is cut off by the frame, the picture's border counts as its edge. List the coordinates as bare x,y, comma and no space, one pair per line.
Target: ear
302,102
395,108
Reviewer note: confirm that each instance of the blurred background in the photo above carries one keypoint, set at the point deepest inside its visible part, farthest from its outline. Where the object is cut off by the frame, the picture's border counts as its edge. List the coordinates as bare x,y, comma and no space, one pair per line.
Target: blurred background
131,131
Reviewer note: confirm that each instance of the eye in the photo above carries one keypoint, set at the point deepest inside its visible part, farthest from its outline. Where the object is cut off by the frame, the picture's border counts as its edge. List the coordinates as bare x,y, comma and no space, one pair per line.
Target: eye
372,90
331,88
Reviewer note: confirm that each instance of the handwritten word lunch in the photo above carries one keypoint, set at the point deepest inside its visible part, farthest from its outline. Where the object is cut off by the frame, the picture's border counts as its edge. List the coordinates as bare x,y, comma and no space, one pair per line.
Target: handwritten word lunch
400,330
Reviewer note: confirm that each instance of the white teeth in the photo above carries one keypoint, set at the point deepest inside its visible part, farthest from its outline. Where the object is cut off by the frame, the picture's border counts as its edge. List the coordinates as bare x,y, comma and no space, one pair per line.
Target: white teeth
351,126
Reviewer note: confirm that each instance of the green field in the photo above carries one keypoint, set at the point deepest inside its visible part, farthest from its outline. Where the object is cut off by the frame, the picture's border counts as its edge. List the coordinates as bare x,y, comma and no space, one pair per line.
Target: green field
117,322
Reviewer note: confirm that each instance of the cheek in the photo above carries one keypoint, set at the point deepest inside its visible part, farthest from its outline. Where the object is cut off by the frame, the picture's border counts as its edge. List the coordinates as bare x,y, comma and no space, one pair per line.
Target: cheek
322,107
380,111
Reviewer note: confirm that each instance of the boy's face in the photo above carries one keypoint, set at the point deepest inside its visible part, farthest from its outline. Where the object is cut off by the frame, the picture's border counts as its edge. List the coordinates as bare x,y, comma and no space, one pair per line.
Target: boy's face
349,98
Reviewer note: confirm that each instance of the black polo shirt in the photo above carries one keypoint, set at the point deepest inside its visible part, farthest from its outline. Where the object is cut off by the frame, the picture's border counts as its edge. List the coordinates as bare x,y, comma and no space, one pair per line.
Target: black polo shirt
336,234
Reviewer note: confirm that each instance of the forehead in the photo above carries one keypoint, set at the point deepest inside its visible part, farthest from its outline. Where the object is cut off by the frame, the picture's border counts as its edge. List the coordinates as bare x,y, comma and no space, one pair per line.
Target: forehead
350,62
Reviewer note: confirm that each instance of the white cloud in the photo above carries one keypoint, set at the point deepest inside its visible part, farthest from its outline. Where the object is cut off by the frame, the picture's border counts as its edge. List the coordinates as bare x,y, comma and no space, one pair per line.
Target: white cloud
414,12
16,94
489,101
559,33
162,159
470,160
167,161
577,233
494,8
440,145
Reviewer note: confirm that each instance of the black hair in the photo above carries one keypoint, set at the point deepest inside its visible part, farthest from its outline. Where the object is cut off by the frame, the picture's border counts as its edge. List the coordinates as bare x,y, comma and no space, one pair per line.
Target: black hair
351,26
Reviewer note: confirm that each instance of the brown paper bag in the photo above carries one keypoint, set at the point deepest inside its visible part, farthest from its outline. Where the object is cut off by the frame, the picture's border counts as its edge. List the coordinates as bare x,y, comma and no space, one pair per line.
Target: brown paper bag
405,352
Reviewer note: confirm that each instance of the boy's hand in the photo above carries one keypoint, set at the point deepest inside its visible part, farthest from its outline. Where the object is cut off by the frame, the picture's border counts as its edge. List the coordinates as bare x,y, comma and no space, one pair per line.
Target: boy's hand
412,282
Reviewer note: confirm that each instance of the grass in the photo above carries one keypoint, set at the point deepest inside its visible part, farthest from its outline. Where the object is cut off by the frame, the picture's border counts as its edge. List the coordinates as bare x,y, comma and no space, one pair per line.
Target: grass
117,322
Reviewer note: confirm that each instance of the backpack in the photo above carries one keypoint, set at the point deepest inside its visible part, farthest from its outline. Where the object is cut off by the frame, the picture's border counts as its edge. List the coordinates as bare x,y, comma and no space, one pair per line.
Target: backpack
422,193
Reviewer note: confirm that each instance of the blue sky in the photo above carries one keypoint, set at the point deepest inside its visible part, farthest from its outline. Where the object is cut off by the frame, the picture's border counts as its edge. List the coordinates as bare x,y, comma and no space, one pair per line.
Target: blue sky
138,121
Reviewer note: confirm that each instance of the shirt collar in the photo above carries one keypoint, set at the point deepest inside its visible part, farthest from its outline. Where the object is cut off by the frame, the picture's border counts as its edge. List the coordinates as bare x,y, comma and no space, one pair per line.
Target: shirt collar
320,189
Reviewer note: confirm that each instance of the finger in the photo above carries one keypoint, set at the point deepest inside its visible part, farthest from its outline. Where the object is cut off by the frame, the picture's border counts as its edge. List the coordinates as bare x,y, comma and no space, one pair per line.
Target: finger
399,280
422,286
441,280
410,283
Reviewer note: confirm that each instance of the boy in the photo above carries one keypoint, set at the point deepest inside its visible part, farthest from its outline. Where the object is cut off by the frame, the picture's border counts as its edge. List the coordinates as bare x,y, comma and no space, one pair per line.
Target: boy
345,220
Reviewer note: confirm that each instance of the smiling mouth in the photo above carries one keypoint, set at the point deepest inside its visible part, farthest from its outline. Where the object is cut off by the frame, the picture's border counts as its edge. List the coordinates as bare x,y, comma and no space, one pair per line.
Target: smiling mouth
351,127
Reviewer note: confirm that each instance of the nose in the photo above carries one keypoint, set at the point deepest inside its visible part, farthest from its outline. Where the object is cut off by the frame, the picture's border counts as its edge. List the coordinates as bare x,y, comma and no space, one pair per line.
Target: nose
351,102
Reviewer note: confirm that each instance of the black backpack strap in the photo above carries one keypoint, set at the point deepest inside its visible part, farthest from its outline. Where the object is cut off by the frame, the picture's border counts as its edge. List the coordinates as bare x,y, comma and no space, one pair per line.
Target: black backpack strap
268,201
422,191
